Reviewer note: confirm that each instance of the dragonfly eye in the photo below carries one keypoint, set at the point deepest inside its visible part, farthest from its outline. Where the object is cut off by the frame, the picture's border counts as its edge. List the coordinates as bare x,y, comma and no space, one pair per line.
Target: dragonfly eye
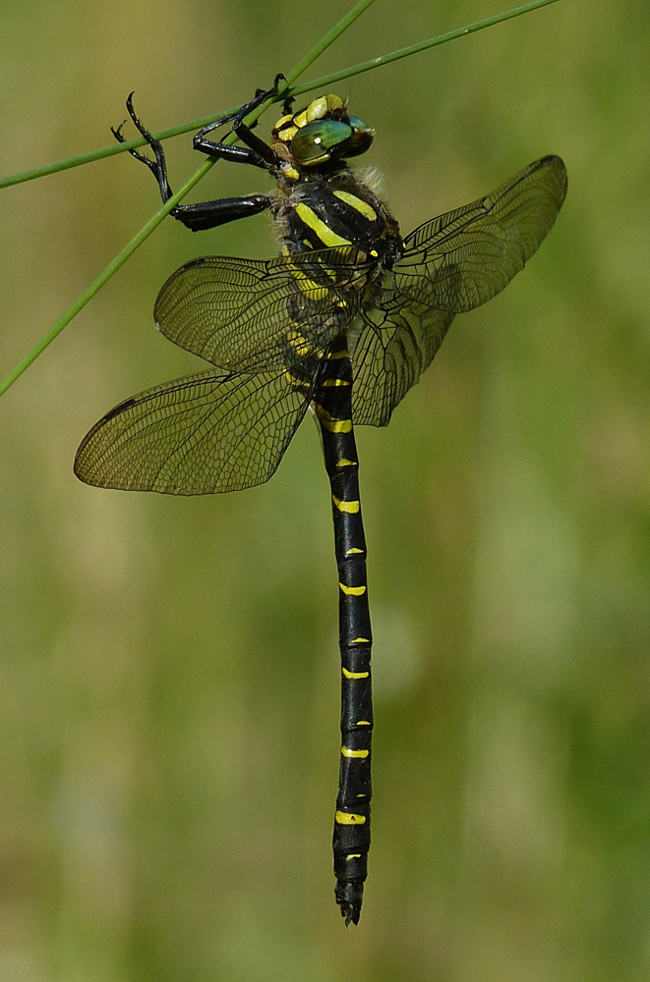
318,142
362,137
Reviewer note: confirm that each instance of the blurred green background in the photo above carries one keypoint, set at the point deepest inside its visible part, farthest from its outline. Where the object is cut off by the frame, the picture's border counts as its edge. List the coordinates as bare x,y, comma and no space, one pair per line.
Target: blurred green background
169,669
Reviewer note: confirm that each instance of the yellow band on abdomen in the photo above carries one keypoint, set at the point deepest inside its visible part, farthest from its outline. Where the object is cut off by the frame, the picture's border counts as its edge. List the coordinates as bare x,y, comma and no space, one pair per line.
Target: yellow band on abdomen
351,507
352,591
344,818
355,675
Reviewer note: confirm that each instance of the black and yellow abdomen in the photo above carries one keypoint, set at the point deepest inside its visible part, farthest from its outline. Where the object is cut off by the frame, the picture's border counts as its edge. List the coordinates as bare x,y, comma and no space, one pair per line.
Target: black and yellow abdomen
343,215
332,405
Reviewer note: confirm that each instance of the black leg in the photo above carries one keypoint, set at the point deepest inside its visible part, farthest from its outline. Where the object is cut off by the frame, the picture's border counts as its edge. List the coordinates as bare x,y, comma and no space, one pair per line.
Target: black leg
238,155
210,214
158,166
256,151
287,105
205,214
261,95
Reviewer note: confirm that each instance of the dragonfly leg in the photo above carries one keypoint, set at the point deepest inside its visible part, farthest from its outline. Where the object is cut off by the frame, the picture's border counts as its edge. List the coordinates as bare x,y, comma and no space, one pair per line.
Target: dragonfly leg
261,95
158,166
203,215
256,151
210,214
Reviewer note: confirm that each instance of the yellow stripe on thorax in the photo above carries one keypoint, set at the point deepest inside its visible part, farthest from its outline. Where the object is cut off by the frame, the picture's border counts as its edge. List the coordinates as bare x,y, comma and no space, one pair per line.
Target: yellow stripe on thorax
329,238
293,380
311,289
357,203
299,343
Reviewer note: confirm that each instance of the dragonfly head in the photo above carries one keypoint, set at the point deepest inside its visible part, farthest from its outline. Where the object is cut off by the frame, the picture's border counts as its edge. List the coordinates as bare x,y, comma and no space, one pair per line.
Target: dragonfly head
322,133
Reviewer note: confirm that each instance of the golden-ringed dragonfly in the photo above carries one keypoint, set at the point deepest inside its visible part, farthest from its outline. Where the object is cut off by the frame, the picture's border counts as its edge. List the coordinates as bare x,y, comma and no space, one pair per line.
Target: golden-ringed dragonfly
343,322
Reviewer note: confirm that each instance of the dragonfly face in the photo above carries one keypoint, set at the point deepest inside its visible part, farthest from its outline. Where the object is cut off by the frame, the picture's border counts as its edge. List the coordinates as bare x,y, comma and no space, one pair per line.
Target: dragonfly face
320,134
345,319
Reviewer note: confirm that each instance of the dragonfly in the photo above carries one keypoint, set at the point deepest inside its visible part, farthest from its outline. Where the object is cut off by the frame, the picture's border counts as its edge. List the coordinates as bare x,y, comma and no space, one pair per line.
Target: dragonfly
342,323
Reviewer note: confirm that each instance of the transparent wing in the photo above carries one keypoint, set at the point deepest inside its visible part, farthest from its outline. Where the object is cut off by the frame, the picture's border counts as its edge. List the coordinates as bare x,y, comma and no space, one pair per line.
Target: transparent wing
248,315
196,435
451,264
389,355
464,258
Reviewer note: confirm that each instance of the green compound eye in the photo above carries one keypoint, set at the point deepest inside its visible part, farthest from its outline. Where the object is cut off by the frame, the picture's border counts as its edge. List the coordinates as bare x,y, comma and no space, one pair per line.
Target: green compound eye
362,136
317,142
357,124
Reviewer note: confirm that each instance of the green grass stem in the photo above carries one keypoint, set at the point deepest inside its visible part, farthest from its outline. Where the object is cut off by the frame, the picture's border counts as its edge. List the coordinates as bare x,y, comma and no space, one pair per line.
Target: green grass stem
156,219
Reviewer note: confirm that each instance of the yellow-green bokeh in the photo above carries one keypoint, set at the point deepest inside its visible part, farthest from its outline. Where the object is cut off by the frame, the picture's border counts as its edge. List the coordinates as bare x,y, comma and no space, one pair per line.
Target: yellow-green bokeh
168,668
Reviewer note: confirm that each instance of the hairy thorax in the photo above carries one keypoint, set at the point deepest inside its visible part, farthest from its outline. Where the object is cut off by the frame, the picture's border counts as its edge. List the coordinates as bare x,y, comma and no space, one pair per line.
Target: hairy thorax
332,210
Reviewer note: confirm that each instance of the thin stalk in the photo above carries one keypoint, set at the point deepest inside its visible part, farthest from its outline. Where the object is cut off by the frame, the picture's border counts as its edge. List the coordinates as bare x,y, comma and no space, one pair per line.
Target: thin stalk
103,278
413,49
287,90
162,212
318,83
110,151
196,124
328,39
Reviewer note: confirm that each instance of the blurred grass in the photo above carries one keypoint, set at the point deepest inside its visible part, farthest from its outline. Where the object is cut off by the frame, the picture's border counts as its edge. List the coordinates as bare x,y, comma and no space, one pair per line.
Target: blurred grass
169,680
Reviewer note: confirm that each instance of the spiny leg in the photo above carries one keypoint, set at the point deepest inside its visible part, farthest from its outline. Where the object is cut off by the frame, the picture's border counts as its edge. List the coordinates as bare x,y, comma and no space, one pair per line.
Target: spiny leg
261,95
258,153
158,167
205,214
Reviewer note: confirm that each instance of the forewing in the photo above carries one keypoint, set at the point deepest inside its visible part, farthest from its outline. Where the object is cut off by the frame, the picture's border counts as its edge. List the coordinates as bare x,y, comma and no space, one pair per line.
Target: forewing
247,315
464,258
451,264
196,435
